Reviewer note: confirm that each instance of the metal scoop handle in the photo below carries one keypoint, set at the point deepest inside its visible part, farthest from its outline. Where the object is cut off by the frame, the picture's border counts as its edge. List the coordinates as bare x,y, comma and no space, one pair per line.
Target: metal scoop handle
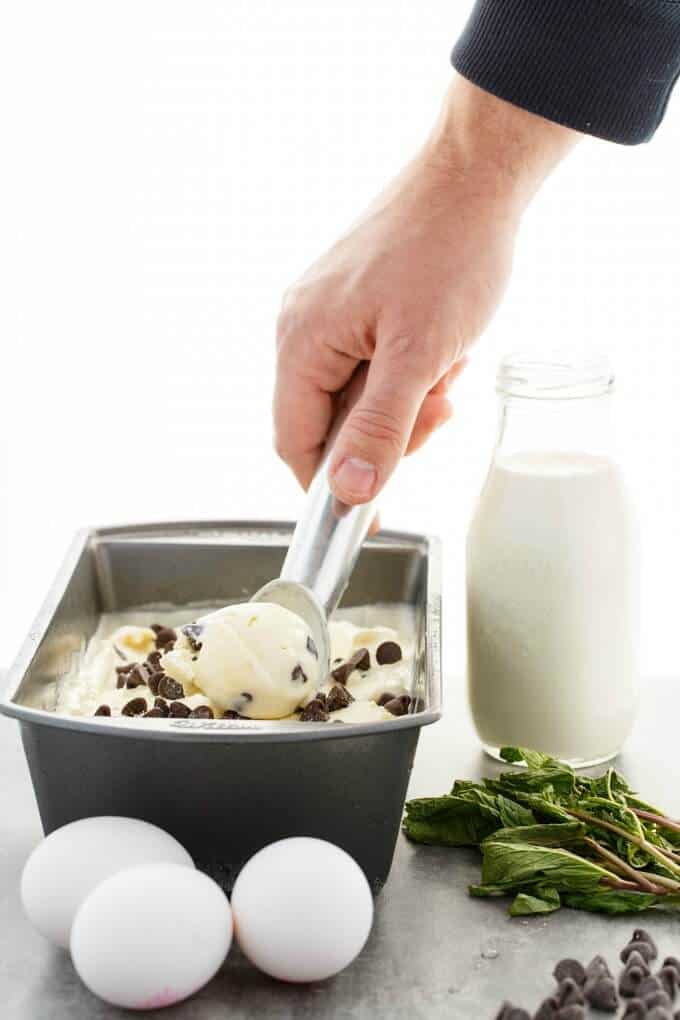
326,542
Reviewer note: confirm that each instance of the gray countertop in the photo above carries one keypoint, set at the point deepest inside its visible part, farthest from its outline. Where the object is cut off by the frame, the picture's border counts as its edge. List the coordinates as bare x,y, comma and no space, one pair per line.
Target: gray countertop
433,952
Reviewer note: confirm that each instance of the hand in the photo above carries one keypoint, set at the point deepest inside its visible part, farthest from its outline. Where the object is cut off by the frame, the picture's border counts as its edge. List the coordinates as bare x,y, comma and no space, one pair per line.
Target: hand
408,290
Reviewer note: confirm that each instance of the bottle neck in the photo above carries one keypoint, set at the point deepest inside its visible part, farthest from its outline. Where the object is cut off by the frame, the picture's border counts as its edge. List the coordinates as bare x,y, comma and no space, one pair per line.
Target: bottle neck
580,425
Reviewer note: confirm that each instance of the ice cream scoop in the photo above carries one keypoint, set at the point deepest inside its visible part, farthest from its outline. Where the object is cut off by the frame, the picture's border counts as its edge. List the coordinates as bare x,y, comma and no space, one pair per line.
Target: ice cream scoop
322,553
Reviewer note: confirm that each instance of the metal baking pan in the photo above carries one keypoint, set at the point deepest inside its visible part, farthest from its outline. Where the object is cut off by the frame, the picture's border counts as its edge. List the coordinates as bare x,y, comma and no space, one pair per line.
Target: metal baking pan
224,788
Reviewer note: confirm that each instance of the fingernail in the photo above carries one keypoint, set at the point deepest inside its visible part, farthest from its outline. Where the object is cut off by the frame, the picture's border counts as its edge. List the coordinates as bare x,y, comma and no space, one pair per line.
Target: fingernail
356,477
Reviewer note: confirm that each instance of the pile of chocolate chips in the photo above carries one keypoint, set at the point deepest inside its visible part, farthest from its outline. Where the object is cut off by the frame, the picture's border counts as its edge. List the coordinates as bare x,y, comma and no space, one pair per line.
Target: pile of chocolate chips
319,709
649,996
166,691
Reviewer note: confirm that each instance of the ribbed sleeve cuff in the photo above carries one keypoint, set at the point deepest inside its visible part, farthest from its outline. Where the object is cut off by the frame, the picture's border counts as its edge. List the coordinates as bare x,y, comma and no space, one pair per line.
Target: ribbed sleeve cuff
603,67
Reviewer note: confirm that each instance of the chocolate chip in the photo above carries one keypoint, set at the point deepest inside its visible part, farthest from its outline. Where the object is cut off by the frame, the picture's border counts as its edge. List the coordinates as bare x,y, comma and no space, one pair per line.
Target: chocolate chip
361,660
155,713
192,632
138,676
661,999
630,980
398,706
635,1010
202,712
165,636
548,1010
387,653
154,681
569,968
103,710
298,676
311,647
338,697
384,698
162,706
640,935
157,627
572,1012
659,1013
134,707
122,672
178,710
314,712
231,714
672,961
569,992
636,959
649,986
646,949
669,978
598,967
247,697
153,660
169,688
601,994
510,1012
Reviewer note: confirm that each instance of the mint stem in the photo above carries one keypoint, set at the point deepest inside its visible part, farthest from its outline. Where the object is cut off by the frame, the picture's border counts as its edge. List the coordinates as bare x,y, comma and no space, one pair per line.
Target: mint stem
635,876
653,851
665,823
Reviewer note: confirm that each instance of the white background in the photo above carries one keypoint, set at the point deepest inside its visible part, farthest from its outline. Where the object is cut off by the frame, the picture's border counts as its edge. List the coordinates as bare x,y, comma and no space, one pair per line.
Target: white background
170,167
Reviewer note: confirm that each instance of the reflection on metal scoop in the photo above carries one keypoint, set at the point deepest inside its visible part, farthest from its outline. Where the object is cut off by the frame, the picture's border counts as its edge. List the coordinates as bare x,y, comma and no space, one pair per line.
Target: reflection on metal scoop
323,551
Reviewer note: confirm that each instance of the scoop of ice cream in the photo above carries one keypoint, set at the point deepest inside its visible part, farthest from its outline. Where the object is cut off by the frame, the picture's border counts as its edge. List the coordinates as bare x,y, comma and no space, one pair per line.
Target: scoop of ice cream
255,658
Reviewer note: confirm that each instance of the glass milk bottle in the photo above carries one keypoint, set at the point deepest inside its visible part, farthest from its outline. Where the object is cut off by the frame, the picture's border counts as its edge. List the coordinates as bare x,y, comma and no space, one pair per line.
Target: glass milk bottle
552,583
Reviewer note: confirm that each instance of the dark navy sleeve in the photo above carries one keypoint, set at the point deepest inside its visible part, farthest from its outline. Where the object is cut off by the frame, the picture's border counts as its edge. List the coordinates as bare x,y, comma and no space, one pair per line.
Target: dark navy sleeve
603,67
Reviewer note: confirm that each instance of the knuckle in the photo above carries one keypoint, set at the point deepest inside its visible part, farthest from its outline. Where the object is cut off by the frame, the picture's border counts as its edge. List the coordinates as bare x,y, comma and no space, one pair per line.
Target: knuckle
377,423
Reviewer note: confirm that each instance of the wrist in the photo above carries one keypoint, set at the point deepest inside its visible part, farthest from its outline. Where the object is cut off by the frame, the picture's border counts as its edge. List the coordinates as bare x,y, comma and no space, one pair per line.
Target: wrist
500,150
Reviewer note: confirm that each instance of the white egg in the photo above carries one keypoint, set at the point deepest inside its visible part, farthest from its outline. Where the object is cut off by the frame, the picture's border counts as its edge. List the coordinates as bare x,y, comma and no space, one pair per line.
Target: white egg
302,909
72,860
151,936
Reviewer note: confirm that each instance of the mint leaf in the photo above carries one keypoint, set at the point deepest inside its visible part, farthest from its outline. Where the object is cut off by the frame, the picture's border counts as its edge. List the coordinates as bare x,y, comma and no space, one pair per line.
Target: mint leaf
543,900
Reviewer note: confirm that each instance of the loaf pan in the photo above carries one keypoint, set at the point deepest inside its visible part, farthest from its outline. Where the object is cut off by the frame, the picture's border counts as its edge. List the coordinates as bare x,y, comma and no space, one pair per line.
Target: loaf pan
223,788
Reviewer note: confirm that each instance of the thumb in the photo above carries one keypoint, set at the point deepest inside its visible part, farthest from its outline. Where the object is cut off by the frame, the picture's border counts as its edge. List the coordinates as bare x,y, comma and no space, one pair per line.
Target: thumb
377,430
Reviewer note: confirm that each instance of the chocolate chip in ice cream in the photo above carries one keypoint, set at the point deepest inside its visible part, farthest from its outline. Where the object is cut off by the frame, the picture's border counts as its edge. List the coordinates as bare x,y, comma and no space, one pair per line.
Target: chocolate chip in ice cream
138,676
387,653
202,712
154,680
338,697
165,636
311,647
192,632
398,706
298,676
134,707
361,660
387,696
169,688
155,713
178,710
153,660
231,714
122,674
162,706
103,710
314,712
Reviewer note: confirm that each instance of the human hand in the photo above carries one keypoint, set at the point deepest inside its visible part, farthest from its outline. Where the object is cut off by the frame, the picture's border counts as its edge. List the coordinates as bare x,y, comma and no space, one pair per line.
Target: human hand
408,290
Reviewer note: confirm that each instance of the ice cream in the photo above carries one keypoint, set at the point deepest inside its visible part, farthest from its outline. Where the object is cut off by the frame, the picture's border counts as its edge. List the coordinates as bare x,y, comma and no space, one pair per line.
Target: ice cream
251,660
256,658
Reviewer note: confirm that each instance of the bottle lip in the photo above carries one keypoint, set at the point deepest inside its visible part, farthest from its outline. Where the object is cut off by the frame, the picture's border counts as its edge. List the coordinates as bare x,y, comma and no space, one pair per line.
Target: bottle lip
553,376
